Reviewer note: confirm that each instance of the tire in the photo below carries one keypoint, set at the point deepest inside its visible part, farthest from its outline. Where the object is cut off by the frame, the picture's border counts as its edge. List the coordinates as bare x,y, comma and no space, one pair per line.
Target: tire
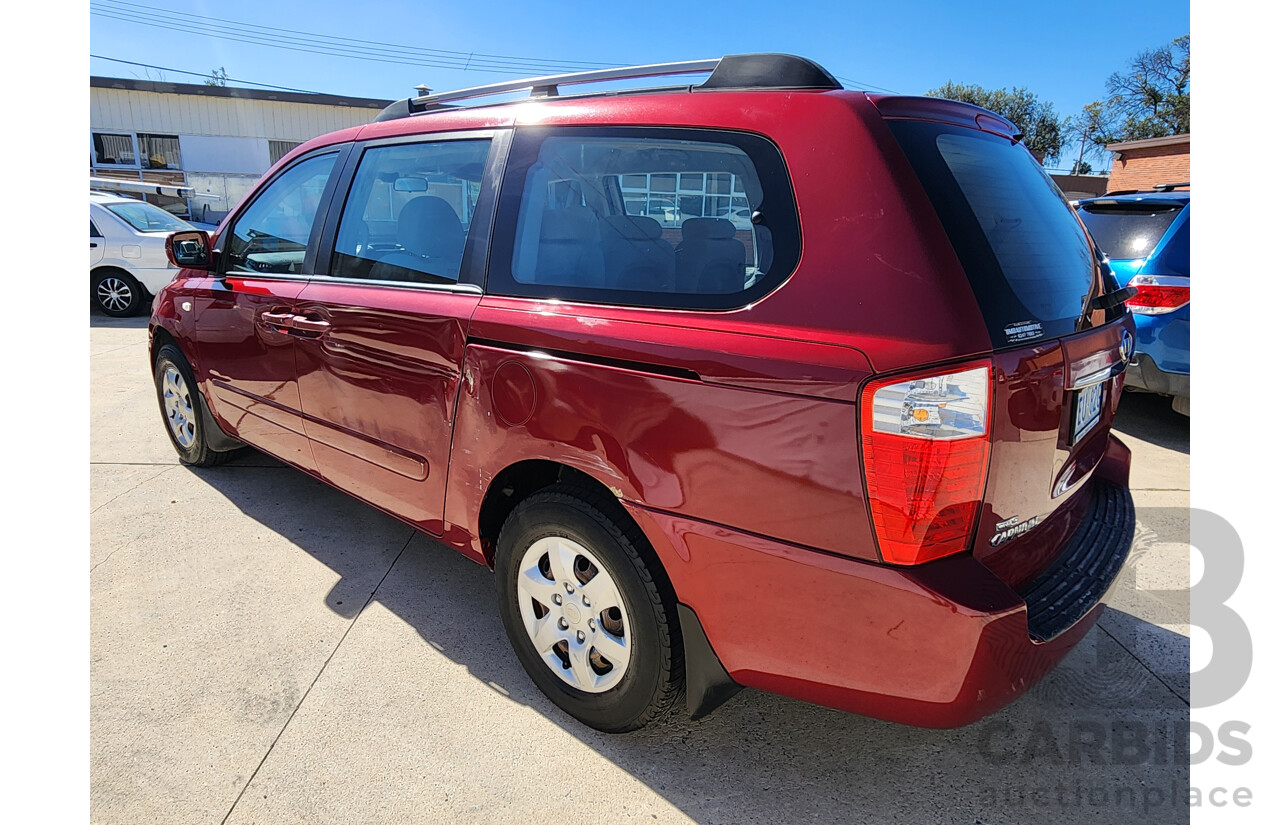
615,664
117,293
182,409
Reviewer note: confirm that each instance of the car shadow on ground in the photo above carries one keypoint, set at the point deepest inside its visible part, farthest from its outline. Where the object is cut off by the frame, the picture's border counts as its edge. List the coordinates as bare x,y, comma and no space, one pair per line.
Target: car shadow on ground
99,319
1151,418
1102,738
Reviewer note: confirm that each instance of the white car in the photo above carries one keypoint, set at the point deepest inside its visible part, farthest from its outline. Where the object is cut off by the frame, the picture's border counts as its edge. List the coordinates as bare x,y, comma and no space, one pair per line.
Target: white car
127,261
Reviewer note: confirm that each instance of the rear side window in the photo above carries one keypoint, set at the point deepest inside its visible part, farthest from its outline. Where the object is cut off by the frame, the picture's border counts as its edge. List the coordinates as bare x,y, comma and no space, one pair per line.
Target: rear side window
1125,230
644,217
409,212
1027,258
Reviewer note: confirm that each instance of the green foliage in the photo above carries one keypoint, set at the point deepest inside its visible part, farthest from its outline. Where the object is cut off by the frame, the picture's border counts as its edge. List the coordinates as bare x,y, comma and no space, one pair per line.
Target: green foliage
218,77
1091,130
1152,98
1040,126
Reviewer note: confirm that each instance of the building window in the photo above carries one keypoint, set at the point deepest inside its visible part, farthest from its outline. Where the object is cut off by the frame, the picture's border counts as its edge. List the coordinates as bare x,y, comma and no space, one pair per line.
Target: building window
701,195
280,148
159,151
114,150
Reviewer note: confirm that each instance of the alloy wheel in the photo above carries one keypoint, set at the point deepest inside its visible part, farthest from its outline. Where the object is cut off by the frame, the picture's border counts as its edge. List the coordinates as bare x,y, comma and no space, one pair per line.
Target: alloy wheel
114,294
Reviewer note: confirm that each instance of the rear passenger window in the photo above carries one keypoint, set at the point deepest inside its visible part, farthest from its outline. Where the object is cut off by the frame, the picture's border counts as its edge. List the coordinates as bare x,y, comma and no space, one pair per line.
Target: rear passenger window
409,212
648,217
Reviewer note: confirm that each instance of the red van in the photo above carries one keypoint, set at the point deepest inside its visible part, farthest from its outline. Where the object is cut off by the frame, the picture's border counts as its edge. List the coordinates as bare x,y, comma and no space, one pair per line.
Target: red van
755,382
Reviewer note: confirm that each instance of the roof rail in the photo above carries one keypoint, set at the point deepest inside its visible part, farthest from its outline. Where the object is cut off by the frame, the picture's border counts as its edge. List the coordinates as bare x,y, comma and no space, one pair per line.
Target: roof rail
1169,187
741,71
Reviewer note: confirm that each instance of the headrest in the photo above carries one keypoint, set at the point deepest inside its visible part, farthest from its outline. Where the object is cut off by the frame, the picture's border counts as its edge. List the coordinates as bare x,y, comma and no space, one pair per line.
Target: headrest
429,226
634,227
694,229
569,224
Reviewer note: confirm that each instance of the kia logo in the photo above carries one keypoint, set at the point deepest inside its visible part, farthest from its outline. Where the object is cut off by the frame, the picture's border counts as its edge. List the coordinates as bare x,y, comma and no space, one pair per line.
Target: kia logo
1126,346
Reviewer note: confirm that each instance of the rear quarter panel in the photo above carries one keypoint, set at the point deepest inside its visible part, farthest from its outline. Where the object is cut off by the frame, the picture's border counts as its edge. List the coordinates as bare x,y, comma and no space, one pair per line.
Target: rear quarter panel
621,402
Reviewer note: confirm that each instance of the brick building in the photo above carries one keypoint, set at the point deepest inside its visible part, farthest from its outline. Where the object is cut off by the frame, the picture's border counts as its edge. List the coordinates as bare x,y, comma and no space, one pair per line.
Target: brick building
1142,164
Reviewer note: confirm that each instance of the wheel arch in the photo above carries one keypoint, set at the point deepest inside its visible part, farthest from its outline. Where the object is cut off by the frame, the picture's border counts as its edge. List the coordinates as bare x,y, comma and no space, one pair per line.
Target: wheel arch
521,479
161,336
216,433
109,265
517,481
707,684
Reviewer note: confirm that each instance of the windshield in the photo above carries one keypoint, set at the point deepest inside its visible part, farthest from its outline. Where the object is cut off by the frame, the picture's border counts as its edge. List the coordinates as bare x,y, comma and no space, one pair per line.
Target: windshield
1027,257
144,217
1128,229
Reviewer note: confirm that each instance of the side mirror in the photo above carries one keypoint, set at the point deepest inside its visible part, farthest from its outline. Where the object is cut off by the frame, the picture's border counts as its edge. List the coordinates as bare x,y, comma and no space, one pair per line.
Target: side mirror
189,250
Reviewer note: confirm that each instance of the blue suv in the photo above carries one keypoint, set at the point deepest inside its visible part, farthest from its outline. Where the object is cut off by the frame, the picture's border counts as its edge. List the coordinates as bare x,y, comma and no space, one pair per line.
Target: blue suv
1147,236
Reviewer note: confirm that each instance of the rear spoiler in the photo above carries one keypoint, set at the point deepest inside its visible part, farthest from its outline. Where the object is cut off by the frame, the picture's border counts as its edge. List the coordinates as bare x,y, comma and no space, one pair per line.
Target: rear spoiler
902,107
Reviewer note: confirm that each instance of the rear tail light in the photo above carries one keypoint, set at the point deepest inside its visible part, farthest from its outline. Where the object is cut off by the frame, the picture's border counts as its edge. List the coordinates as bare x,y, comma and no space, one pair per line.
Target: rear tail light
926,445
1158,294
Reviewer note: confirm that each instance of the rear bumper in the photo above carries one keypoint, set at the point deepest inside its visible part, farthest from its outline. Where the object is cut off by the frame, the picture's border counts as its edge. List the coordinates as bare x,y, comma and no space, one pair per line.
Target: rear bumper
1144,374
940,645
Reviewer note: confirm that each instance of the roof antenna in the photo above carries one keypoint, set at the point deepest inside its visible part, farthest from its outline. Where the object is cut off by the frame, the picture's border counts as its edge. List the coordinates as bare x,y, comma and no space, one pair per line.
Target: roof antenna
422,89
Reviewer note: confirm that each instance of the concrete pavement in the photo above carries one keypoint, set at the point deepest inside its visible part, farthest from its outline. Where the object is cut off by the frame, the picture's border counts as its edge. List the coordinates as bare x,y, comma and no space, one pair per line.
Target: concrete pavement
265,649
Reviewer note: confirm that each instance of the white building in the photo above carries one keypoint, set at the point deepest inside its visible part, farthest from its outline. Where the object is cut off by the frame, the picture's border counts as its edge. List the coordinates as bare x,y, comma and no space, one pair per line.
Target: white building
217,140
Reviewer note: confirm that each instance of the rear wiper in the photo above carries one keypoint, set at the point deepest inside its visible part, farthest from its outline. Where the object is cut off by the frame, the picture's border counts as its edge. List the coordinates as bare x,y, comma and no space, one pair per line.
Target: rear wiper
1113,299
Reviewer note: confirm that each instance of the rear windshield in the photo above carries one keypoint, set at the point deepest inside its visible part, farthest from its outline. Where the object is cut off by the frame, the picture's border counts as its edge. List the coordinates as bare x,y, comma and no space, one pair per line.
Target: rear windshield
144,217
1128,229
1027,258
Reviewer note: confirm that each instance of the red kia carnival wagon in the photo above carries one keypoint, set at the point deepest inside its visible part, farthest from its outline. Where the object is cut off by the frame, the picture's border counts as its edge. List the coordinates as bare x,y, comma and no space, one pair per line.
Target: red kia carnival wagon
755,382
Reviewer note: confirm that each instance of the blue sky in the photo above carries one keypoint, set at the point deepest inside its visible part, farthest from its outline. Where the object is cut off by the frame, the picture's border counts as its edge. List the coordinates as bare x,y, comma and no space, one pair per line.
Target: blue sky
1062,52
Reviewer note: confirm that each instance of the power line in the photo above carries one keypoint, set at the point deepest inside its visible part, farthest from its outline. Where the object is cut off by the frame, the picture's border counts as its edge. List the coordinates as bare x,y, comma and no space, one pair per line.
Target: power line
380,44
860,85
323,49
349,47
202,74
330,45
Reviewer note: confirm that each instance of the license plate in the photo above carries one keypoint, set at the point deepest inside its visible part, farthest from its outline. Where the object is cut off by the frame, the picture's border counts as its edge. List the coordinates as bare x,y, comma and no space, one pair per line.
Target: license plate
1088,411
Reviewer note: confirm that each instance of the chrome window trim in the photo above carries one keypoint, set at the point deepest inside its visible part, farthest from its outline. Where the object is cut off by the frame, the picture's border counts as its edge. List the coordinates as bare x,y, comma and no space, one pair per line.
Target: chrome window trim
463,288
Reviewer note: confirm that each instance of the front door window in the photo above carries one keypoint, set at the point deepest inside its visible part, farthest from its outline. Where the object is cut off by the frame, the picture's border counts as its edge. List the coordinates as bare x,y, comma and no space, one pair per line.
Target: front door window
273,233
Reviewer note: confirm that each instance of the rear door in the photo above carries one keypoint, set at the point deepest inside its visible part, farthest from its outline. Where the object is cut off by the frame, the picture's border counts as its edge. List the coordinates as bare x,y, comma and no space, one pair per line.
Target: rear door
382,330
1059,354
245,338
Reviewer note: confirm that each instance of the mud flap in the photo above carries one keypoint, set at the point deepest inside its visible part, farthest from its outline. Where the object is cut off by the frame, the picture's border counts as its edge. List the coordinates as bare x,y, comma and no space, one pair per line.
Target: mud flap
707,684
214,435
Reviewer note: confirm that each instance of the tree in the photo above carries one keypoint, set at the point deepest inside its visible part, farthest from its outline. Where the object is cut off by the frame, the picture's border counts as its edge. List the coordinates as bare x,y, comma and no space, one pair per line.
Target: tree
218,77
1041,129
1152,98
1093,128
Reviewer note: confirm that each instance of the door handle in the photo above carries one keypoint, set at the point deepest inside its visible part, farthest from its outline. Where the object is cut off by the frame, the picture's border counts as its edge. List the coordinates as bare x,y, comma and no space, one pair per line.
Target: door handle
283,320
92,245
315,325
1099,376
